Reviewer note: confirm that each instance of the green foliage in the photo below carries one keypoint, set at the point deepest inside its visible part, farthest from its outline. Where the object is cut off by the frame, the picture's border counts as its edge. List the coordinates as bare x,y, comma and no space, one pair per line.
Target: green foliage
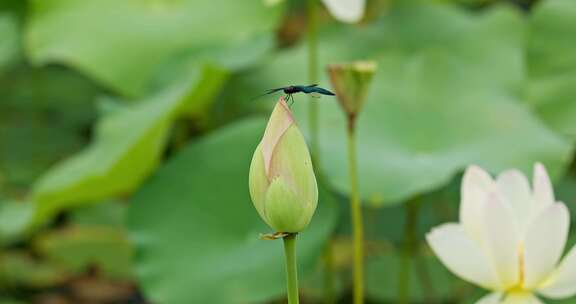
127,147
14,219
447,93
11,301
49,106
196,230
128,118
110,214
19,268
426,124
77,249
429,281
126,42
9,45
552,69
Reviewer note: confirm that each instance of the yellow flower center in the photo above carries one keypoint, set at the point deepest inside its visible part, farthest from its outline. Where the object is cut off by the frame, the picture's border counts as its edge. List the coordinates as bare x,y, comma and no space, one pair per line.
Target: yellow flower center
519,288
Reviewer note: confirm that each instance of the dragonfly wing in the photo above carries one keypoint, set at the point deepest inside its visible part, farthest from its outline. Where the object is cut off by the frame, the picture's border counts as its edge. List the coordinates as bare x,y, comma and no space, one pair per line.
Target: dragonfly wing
308,89
268,92
318,90
274,90
323,91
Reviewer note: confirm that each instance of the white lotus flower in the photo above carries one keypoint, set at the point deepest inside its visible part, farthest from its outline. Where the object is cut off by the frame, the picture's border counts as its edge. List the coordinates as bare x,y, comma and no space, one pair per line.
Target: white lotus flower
510,238
350,11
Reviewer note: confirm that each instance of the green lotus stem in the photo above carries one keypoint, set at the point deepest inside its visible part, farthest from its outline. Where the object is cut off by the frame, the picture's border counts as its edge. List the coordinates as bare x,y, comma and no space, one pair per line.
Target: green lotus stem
313,78
291,268
356,213
409,250
313,131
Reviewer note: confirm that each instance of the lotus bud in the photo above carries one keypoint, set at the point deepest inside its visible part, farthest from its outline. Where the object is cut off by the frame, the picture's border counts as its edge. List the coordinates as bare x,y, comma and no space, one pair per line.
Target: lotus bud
351,81
282,182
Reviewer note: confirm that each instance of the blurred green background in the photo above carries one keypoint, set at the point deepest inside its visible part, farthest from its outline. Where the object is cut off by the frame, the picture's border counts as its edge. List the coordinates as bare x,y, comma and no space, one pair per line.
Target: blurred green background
127,129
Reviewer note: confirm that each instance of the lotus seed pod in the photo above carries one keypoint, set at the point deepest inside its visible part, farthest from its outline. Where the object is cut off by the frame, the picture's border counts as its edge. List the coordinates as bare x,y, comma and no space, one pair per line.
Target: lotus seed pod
351,82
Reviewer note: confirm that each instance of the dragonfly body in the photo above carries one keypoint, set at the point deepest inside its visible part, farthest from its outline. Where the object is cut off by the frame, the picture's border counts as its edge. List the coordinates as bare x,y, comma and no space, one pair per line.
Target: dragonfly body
289,90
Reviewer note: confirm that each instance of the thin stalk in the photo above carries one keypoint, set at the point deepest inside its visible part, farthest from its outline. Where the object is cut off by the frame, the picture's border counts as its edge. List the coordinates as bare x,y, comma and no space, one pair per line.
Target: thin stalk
356,212
312,37
425,280
329,284
291,268
409,250
313,78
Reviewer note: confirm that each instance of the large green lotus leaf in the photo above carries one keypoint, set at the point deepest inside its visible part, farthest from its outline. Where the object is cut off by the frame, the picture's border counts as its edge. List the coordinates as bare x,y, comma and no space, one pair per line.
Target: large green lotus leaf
51,107
23,161
196,230
77,249
127,147
551,61
490,42
423,123
122,43
407,29
434,106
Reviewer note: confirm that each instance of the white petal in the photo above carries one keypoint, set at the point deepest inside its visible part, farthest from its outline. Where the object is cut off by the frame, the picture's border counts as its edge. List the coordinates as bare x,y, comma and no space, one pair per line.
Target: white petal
476,185
346,10
461,255
501,240
475,175
515,187
543,192
521,298
544,242
562,284
492,298
272,2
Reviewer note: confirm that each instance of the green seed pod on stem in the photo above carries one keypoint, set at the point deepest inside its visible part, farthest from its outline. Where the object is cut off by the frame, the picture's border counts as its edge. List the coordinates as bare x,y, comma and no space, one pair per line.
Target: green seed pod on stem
351,82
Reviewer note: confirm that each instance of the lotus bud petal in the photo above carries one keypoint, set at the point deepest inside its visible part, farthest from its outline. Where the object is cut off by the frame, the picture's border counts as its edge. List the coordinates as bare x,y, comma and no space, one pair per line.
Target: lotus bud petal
282,182
351,82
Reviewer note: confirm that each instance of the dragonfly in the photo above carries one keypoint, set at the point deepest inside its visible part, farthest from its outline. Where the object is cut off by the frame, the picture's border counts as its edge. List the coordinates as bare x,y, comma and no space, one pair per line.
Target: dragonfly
306,89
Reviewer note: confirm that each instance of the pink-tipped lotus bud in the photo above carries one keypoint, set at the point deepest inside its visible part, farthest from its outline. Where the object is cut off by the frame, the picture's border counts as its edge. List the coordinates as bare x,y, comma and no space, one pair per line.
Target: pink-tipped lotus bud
282,181
351,82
